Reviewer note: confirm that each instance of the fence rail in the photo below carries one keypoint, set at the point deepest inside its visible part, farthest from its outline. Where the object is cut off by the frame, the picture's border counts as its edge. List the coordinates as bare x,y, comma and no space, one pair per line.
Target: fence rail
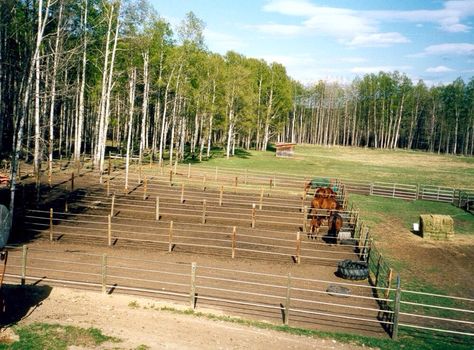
285,182
289,299
234,241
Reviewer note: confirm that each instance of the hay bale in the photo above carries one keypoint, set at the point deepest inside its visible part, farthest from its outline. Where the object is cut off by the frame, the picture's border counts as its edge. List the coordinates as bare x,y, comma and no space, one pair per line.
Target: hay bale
439,227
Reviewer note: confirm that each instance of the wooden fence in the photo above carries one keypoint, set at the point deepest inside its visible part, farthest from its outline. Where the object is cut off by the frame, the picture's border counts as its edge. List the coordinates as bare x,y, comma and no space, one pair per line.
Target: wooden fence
287,182
232,241
289,299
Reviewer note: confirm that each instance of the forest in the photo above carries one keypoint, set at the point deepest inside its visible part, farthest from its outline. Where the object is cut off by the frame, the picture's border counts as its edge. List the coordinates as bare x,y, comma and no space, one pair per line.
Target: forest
79,78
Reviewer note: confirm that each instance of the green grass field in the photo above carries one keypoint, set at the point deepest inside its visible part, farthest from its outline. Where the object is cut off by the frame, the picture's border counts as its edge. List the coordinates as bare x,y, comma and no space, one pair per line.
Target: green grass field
400,166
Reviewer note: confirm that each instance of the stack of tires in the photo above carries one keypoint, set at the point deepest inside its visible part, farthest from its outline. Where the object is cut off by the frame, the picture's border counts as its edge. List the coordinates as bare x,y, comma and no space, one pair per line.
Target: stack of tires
353,270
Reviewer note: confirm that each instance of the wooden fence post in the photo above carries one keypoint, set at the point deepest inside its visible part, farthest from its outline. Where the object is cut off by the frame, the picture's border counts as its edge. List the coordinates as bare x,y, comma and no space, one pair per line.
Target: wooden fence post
109,169
189,170
221,194
369,249
396,309
49,178
389,283
288,300
112,205
145,187
157,209
182,193
109,230
66,208
140,173
379,261
305,218
108,187
171,177
23,264
204,182
303,198
192,293
170,238
371,189
104,273
261,199
51,224
298,248
253,215
271,183
234,233
72,182
203,211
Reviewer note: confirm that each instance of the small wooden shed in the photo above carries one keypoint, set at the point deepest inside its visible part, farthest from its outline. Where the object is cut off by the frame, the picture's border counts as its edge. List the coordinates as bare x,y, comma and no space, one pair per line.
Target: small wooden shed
439,227
285,149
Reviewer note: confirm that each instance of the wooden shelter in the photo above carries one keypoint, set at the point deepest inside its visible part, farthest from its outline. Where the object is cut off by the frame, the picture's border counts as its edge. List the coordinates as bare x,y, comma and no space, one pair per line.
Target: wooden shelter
285,149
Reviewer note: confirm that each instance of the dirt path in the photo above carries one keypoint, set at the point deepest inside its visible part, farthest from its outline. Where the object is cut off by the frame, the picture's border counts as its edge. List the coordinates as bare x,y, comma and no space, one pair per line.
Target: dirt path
137,322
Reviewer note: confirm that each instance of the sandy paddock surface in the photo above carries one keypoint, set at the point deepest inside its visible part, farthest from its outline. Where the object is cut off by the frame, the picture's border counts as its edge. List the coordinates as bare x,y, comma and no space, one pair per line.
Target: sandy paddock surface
138,322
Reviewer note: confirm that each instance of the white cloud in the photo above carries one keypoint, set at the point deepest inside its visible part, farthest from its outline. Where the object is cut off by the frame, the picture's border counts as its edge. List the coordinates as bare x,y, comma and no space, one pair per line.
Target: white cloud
378,39
448,18
376,69
451,49
362,28
291,8
439,69
222,42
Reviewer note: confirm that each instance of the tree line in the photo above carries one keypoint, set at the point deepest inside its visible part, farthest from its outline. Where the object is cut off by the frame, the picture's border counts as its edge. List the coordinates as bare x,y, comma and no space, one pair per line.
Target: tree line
78,78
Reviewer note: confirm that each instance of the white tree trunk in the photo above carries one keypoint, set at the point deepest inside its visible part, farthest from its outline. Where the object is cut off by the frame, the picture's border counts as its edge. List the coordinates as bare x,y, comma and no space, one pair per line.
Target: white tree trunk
53,92
109,91
24,107
80,124
103,95
131,102
146,88
163,122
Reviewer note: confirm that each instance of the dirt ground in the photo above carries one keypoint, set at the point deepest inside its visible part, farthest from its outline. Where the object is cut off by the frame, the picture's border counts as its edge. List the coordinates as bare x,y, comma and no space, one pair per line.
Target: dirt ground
138,322
142,322
444,264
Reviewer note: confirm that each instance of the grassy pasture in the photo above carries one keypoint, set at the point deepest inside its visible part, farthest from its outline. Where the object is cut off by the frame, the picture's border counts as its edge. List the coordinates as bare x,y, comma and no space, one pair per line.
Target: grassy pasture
401,166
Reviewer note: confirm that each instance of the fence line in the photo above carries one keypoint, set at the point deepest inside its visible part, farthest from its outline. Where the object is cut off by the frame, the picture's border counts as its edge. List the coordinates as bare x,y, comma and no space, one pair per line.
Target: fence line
273,244
245,288
403,191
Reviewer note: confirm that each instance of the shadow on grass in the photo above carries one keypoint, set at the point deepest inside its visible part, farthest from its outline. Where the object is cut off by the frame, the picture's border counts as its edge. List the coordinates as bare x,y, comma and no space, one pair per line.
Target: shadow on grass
20,301
216,153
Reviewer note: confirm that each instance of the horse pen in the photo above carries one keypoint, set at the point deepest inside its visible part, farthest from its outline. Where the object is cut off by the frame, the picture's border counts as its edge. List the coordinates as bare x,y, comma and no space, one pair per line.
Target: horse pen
209,238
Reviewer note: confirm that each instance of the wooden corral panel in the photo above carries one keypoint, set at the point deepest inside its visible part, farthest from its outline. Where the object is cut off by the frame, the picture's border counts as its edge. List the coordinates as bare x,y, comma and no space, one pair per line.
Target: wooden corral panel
285,149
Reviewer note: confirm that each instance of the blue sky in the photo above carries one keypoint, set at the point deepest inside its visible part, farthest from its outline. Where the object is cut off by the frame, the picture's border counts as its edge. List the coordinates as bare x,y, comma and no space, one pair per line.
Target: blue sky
338,40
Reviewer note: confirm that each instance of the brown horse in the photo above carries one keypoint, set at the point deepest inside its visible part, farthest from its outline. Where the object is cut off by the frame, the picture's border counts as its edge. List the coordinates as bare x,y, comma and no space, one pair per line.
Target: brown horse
334,224
324,192
329,204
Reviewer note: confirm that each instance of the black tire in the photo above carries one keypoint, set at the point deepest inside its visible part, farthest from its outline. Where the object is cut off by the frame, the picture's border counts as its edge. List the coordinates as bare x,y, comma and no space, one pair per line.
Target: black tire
353,270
